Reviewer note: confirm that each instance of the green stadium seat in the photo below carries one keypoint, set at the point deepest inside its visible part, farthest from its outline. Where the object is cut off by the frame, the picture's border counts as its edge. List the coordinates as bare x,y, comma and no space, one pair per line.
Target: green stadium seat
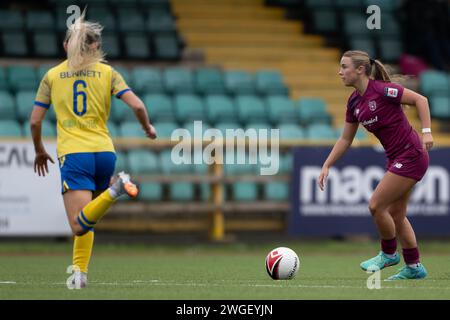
51,115
220,108
22,78
104,16
137,46
147,80
150,191
159,107
259,125
440,107
178,80
48,129
281,109
10,128
189,126
364,44
24,103
290,131
350,5
160,21
361,134
313,110
7,106
164,129
223,126
45,45
385,5
390,50
121,161
242,191
143,162
320,131
209,81
120,111
14,44
3,80
111,46
167,46
276,191
355,24
130,20
11,20
125,73
43,69
178,191
434,82
39,20
188,107
250,108
270,82
325,20
239,82
316,4
286,163
181,191
113,129
169,167
131,130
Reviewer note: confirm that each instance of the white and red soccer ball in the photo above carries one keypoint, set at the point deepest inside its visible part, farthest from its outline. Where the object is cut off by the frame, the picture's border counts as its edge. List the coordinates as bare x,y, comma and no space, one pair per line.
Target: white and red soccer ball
282,263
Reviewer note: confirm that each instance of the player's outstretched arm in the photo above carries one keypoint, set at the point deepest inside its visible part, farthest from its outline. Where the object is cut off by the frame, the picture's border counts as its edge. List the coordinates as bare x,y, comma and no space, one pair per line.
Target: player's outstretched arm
138,107
340,147
40,161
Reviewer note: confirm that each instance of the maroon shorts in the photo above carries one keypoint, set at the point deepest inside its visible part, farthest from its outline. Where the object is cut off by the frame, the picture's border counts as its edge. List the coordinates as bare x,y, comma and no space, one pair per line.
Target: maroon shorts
413,163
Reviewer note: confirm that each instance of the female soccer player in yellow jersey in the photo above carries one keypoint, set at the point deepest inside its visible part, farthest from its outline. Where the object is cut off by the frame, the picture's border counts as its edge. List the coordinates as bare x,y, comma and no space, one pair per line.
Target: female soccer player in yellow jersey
80,90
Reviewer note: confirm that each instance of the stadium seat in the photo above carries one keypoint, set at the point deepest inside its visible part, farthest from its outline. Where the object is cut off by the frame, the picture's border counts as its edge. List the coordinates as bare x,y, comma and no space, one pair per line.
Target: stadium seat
160,21
10,128
178,80
148,80
167,46
239,82
390,50
188,107
281,109
440,107
22,78
291,131
137,46
48,129
39,20
131,130
113,129
104,16
42,70
325,20
361,134
364,44
125,73
11,20
350,5
220,108
3,80
434,82
150,191
111,46
143,162
45,44
120,111
320,132
164,129
385,5
159,107
355,24
24,103
313,110
7,106
270,82
14,44
242,191
276,191
250,108
209,81
130,20
121,162
178,191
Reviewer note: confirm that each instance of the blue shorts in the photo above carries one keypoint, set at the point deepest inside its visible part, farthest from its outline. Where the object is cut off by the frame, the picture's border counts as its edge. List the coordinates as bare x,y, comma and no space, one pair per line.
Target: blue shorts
86,170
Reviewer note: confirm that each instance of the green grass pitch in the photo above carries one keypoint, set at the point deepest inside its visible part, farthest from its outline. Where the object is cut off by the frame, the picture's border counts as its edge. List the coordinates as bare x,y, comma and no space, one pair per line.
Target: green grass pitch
329,270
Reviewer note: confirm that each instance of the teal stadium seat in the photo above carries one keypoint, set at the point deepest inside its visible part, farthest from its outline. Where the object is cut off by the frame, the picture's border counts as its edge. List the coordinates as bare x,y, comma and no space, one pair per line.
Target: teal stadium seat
242,191
11,20
178,80
188,108
131,130
148,80
385,5
15,44
113,129
220,108
281,109
239,82
45,44
279,190
178,191
3,80
270,82
7,106
319,4
250,108
120,111
440,107
125,73
434,83
121,162
48,129
159,107
320,131
167,46
313,110
164,129
355,24
43,69
146,162
209,81
137,46
130,20
111,46
325,20
104,16
24,103
39,20
364,44
22,78
10,128
361,134
291,131
390,50
160,21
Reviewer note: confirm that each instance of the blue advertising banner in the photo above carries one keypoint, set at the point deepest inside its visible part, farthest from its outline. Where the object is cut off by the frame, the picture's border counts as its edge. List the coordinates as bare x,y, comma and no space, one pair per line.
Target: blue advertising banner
342,208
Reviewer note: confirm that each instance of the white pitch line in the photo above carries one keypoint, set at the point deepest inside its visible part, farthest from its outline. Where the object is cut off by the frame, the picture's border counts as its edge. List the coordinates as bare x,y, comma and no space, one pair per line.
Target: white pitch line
8,282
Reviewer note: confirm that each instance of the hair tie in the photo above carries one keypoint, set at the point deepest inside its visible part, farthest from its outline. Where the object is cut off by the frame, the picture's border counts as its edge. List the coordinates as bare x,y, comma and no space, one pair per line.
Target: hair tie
371,61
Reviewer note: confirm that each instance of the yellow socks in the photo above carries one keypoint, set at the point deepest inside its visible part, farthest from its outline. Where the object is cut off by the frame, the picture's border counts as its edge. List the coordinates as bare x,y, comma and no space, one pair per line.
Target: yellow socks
95,210
82,250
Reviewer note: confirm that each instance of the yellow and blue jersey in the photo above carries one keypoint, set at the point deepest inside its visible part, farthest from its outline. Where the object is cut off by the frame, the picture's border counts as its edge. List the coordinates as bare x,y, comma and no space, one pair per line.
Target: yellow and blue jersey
81,101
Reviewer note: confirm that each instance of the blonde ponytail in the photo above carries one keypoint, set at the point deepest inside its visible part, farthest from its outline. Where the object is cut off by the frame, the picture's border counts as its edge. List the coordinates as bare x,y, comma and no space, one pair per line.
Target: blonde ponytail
83,40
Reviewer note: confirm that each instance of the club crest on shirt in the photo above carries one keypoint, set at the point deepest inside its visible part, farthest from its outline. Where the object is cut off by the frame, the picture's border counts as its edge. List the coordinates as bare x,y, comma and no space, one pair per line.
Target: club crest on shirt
372,105
391,92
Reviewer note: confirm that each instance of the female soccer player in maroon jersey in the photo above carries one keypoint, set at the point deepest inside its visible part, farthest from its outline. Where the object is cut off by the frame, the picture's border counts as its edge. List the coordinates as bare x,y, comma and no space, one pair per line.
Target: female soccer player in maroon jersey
377,103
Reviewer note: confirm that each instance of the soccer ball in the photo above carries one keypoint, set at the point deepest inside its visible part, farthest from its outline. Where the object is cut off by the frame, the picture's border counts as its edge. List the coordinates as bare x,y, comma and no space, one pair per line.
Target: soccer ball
282,263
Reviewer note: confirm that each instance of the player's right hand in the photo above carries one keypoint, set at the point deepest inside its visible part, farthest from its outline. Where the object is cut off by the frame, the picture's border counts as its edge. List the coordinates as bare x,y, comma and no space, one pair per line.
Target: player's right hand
150,131
40,163
323,178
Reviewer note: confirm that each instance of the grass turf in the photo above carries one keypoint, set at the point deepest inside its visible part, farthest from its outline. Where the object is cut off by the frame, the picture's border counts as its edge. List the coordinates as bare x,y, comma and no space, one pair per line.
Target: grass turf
329,270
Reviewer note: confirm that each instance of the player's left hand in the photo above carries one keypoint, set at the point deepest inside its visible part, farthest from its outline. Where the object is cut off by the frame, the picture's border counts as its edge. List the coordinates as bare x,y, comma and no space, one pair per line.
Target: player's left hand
40,163
427,140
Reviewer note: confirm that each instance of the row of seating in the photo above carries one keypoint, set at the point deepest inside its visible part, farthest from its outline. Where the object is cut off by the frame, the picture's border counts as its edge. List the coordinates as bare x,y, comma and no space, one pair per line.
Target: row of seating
145,162
171,80
435,85
181,108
